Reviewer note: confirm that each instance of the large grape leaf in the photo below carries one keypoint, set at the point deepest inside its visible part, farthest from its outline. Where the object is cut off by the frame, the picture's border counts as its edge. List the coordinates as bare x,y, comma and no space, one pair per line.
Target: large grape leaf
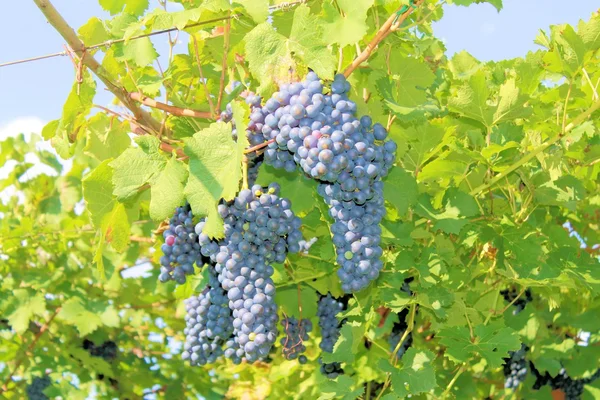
349,27
416,375
491,342
215,171
271,55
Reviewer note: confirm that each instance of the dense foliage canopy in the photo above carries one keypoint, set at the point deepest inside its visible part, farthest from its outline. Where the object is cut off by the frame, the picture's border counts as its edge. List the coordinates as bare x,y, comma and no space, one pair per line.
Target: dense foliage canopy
496,168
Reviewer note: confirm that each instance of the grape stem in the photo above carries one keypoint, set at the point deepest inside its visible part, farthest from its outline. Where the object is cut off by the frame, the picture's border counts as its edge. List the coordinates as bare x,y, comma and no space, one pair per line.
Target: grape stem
259,146
245,172
224,63
206,92
173,110
453,381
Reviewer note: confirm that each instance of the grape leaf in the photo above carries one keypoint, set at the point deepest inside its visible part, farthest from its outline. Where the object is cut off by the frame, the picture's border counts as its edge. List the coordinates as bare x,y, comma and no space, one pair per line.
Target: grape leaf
215,173
137,166
416,375
400,189
350,26
491,342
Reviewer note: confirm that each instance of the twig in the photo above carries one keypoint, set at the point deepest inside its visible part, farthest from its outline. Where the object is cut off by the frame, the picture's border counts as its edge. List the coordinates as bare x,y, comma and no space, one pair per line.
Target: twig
381,34
587,77
29,348
453,381
259,146
208,98
173,110
141,239
224,64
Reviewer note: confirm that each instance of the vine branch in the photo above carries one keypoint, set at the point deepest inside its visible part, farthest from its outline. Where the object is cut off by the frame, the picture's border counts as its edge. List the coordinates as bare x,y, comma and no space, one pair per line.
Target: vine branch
66,31
173,110
393,21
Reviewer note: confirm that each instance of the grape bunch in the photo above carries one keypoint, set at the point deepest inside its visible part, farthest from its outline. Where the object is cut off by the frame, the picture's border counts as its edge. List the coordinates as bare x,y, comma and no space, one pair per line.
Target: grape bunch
397,332
209,324
348,156
572,388
260,228
519,305
107,350
328,309
296,332
181,249
515,368
35,390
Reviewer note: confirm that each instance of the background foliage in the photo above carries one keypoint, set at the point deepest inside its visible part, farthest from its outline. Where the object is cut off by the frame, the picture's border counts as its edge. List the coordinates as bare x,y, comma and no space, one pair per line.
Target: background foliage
493,159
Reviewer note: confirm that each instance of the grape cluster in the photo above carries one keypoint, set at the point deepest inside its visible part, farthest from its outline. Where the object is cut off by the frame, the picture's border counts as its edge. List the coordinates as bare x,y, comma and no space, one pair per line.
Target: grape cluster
209,324
572,388
519,305
397,332
260,228
348,156
296,332
328,309
181,249
107,350
515,368
35,390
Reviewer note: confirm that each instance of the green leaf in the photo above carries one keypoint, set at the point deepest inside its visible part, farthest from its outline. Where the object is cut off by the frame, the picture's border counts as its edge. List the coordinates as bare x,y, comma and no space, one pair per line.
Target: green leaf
140,51
115,227
137,166
568,51
167,190
75,312
589,32
406,87
93,32
463,65
297,188
491,342
346,347
287,299
97,192
271,55
416,375
258,10
215,172
495,3
25,304
400,189
106,138
471,101
349,27
132,7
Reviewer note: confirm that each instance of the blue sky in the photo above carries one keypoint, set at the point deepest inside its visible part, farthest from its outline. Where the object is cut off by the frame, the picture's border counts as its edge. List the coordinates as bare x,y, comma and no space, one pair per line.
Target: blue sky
35,92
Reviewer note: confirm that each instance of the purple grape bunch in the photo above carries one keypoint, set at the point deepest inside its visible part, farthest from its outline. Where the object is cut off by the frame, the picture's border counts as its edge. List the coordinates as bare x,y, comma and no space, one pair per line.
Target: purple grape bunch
347,155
